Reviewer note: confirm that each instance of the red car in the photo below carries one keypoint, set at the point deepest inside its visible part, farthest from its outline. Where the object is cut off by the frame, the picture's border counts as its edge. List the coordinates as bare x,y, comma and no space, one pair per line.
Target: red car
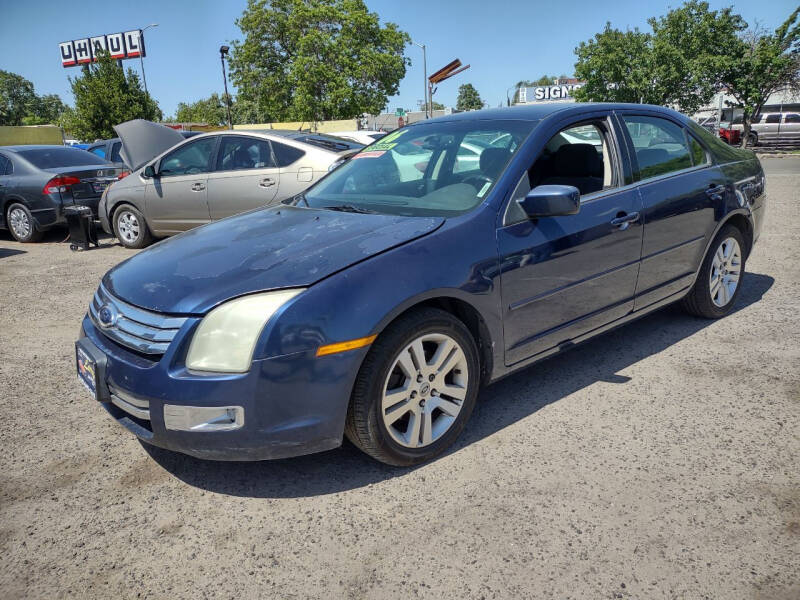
732,136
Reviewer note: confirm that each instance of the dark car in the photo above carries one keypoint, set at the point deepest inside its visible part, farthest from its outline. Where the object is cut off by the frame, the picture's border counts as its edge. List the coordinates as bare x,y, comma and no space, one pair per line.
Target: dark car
379,303
110,149
37,182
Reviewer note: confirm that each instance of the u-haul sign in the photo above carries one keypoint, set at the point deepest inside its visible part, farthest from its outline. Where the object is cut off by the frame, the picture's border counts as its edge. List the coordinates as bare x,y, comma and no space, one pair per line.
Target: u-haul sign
128,44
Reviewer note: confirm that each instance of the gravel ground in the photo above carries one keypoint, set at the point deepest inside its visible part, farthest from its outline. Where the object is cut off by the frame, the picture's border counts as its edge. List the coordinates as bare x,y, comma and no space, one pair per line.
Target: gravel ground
661,460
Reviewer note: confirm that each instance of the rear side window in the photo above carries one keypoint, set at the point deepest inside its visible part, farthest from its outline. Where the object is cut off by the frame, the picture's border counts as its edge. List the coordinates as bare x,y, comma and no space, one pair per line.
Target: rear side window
286,155
660,145
792,118
115,157
699,156
5,166
57,156
775,118
238,153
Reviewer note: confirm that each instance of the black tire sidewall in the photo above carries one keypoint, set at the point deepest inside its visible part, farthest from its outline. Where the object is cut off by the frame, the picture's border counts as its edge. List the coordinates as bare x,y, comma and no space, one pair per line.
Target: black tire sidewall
390,346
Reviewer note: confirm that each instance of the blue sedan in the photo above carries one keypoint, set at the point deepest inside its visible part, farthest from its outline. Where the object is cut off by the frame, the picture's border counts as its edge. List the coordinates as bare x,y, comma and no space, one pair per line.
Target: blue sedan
439,259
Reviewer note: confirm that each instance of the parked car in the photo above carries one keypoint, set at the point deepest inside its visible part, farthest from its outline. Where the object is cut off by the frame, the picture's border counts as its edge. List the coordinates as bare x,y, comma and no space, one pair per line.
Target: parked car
209,177
771,128
362,136
377,309
730,135
37,182
110,149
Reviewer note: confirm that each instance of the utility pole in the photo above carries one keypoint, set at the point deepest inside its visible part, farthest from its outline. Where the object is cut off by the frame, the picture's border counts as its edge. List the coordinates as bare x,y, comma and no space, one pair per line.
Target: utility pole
141,60
428,105
223,50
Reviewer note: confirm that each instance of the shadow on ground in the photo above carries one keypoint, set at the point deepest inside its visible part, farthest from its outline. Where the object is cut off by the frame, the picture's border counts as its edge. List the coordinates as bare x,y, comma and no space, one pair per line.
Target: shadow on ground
499,406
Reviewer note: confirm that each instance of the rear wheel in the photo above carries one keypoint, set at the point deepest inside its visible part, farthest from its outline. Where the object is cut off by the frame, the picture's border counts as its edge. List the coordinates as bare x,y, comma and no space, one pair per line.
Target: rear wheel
131,228
416,389
21,224
752,139
720,277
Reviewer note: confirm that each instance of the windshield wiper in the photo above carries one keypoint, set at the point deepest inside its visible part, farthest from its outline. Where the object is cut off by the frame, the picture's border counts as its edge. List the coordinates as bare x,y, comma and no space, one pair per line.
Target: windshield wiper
350,208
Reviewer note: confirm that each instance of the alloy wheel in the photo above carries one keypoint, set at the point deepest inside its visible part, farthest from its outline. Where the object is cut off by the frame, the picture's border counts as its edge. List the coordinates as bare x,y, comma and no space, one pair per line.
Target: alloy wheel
424,390
726,270
20,223
128,226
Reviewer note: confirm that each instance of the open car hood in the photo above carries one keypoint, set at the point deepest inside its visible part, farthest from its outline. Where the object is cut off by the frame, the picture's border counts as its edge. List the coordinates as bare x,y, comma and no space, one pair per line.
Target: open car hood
143,140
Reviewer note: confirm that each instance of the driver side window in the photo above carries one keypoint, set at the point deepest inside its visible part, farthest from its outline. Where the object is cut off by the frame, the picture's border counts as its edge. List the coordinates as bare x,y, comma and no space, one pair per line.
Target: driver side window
189,159
578,156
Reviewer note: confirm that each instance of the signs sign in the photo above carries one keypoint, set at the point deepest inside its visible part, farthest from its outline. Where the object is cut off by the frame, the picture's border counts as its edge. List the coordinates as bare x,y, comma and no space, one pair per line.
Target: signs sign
128,44
547,92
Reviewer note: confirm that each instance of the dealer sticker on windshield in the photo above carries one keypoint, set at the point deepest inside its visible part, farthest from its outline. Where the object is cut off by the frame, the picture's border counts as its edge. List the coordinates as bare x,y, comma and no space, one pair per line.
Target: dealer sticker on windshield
370,154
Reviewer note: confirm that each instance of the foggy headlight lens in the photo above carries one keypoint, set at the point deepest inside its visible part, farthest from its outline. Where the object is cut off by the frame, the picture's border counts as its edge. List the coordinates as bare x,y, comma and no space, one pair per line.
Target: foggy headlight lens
227,336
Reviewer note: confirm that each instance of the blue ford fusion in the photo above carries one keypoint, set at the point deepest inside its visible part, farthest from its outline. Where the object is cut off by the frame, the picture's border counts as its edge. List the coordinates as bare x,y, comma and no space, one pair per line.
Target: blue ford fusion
441,258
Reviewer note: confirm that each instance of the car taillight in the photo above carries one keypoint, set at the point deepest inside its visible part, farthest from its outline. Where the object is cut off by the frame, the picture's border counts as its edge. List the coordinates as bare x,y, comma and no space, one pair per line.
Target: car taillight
123,175
60,184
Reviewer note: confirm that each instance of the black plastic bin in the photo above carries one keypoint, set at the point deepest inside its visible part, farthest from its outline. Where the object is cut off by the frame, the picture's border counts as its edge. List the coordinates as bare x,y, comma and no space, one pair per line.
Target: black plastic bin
82,231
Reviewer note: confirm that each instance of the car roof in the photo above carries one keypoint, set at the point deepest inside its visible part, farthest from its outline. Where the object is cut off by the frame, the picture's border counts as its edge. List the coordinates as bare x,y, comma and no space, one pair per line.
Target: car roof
21,147
537,112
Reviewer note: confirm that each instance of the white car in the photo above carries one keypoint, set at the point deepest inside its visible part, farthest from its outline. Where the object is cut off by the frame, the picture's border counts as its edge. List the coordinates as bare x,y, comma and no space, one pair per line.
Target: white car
362,137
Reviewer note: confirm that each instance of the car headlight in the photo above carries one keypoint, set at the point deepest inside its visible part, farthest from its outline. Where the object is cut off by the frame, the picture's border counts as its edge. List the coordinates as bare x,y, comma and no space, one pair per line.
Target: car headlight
227,336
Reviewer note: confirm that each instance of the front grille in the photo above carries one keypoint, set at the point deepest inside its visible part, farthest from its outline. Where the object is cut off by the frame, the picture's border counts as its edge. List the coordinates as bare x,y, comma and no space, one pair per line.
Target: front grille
141,330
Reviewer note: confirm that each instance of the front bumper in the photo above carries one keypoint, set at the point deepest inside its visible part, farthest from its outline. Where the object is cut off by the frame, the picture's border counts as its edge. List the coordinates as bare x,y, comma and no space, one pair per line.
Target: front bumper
293,405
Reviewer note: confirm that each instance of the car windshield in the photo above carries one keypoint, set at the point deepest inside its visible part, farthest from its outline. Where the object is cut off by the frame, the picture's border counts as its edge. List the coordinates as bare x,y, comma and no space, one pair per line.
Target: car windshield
57,156
442,169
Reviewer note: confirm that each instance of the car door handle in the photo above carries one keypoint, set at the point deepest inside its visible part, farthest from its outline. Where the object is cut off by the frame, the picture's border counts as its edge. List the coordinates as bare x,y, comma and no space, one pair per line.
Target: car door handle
715,192
266,182
623,220
198,187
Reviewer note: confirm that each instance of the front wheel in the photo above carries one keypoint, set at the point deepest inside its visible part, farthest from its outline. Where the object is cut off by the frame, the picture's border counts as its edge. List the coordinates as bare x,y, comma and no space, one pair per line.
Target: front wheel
416,389
720,277
131,228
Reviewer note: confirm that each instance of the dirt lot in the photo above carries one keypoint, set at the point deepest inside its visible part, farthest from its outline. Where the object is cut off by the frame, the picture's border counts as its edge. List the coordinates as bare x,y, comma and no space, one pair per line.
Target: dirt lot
658,461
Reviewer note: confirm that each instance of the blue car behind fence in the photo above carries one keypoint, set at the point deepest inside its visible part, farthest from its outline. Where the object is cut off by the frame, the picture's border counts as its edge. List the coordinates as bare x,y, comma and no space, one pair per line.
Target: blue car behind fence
448,254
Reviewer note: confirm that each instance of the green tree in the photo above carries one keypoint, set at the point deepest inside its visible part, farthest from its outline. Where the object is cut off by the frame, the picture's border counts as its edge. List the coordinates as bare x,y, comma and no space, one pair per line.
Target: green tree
45,110
678,63
468,98
762,65
106,95
312,60
209,110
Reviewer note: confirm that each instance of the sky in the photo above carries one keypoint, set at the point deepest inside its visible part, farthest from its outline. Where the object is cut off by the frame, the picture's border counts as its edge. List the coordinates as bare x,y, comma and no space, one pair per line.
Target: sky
504,41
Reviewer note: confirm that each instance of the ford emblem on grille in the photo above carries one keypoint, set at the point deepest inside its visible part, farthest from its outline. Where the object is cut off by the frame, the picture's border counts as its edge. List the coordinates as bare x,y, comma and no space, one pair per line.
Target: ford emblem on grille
107,315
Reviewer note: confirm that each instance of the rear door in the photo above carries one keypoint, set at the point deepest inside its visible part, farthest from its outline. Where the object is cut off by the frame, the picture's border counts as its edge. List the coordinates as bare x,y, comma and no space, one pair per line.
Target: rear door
245,176
790,128
176,200
565,276
680,189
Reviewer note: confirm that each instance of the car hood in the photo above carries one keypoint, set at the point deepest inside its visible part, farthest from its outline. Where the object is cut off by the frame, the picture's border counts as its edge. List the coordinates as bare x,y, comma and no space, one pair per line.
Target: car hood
143,140
265,249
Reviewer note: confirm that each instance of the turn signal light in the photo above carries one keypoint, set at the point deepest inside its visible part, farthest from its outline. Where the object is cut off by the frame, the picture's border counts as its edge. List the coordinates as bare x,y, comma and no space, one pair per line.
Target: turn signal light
60,184
345,346
123,175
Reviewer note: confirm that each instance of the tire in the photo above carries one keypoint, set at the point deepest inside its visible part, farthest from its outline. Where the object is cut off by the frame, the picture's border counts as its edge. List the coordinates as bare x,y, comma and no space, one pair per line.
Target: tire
131,228
752,139
21,224
707,298
399,443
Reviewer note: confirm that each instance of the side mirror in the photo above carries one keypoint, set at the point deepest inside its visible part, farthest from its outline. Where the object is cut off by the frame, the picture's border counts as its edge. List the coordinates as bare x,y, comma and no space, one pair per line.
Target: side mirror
551,201
149,171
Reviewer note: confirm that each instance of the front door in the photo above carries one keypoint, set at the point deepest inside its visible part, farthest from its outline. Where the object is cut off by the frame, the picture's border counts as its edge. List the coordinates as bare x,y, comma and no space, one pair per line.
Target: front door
565,276
176,200
245,177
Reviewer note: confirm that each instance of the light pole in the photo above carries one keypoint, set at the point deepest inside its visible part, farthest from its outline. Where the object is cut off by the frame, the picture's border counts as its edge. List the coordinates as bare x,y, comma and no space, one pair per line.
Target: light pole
141,60
425,69
223,51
